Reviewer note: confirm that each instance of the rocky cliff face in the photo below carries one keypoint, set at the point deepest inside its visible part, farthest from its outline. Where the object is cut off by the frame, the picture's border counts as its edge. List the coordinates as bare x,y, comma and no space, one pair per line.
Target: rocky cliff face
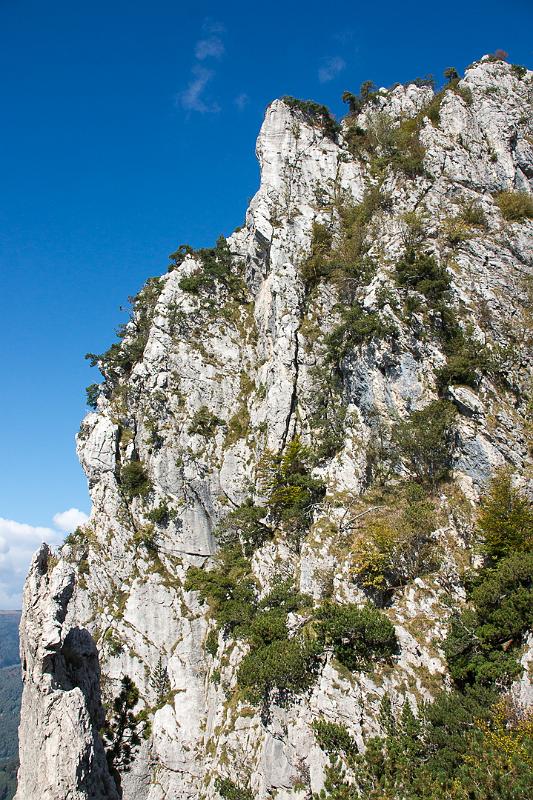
309,334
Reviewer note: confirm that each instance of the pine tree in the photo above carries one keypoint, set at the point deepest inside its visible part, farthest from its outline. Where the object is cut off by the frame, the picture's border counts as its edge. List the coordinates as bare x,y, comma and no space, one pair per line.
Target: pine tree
124,730
160,681
506,519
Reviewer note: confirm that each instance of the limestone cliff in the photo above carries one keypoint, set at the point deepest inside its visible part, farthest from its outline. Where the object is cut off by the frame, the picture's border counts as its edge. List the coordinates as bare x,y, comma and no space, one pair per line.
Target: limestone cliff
310,331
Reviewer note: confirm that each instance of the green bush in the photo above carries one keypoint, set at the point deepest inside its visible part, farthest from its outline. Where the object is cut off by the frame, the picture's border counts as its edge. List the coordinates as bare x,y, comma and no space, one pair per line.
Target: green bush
93,392
204,423
333,738
422,273
229,790
518,71
216,271
318,264
291,489
178,257
160,515
124,730
483,640
327,417
466,359
244,526
358,326
472,213
229,588
505,521
315,114
286,666
359,636
464,746
515,206
395,547
425,440
134,479
394,145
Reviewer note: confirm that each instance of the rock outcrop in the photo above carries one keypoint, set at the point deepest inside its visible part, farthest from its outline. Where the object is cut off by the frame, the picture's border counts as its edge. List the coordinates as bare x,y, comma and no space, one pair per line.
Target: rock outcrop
243,350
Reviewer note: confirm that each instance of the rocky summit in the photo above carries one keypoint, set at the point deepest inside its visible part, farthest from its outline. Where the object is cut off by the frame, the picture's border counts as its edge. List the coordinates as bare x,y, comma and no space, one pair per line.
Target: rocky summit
307,570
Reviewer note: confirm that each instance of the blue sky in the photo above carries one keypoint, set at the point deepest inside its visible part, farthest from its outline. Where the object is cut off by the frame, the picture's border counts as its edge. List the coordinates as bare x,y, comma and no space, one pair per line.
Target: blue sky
127,128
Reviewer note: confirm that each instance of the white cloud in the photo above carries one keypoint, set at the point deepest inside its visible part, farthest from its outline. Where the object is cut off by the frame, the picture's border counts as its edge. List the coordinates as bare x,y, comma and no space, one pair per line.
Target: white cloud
330,68
212,46
192,98
70,519
18,542
209,48
241,101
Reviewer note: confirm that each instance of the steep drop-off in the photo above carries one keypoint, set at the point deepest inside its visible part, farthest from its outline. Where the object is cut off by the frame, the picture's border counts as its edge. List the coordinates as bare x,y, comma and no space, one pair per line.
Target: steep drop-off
322,400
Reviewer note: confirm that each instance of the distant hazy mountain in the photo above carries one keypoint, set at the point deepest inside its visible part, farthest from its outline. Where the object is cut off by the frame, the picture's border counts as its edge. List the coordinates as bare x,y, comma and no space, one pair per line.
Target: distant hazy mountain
10,692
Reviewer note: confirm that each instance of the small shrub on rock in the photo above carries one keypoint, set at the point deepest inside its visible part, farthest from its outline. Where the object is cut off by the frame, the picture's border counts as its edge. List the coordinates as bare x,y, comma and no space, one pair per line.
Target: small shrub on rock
134,479
358,636
515,206
425,440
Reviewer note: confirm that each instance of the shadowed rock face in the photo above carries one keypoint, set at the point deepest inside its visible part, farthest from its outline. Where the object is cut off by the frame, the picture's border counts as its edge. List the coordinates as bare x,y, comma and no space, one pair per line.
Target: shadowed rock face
61,704
111,605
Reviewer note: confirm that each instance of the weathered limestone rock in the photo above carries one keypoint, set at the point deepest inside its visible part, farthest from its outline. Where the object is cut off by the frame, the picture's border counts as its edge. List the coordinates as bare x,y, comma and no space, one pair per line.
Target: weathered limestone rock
106,606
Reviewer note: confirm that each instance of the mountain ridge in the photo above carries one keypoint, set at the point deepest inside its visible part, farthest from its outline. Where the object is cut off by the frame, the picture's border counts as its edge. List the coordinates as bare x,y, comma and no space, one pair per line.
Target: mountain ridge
286,460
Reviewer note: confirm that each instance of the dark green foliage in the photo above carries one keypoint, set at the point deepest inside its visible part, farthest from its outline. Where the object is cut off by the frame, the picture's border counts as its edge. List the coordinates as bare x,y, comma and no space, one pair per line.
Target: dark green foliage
483,640
122,356
358,326
134,479
466,360
160,515
315,114
229,790
506,519
292,491
422,273
428,80
425,440
245,526
216,272
333,738
464,746
274,662
451,74
204,423
393,145
318,264
359,636
93,393
8,778
356,103
285,666
124,729
211,642
160,682
178,257
229,588
518,71
327,412
515,206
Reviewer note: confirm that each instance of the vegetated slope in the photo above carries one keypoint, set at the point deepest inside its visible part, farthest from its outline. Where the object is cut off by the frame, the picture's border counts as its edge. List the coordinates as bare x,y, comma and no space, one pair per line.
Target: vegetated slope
10,695
9,638
308,568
